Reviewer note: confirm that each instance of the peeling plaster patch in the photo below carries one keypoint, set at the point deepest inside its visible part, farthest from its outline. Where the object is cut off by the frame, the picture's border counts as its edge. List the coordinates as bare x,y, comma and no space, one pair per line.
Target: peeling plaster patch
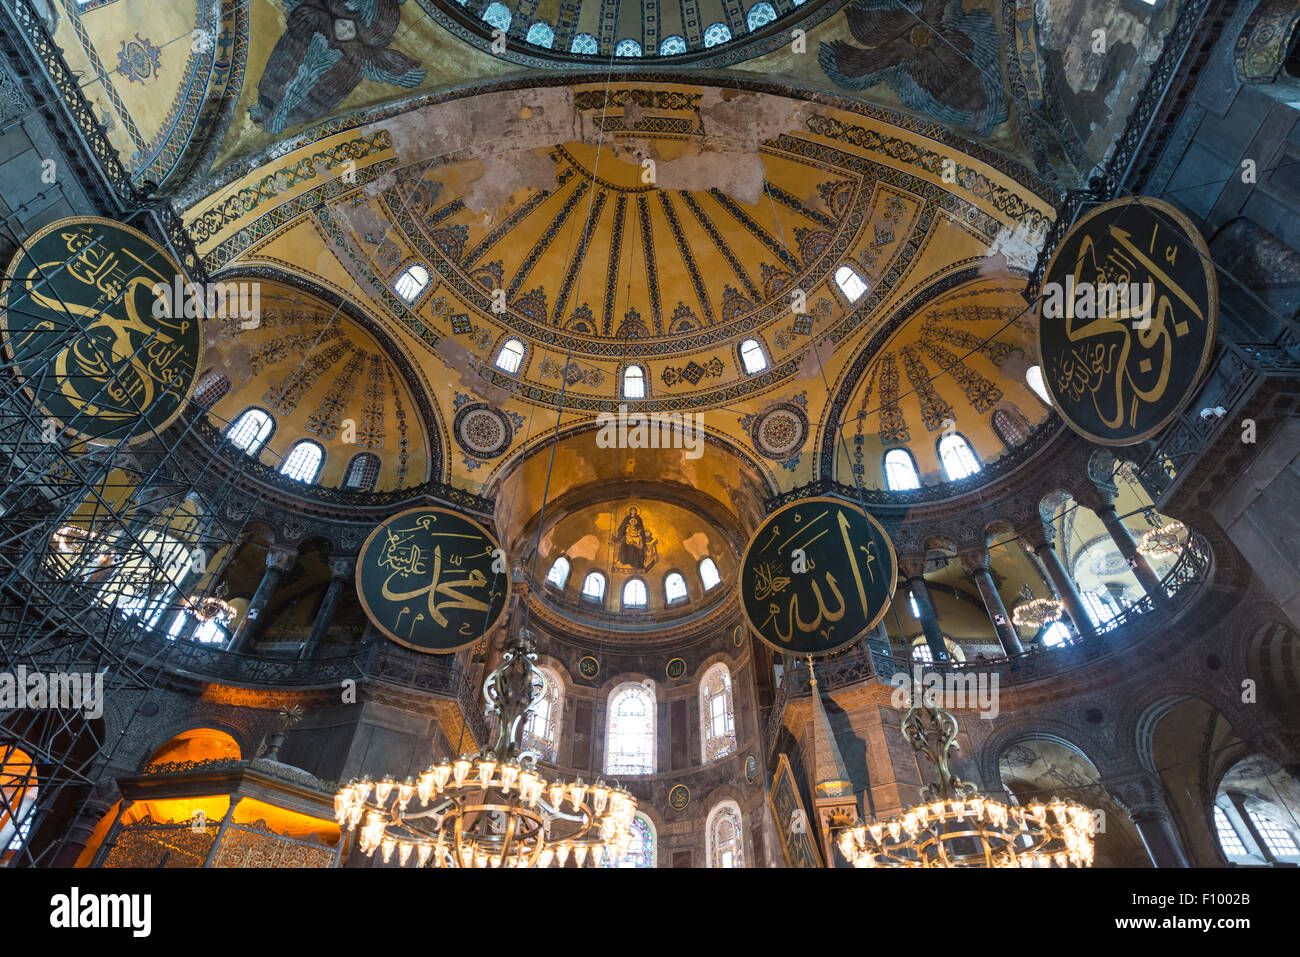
584,548
459,359
505,173
810,367
360,220
697,546
1019,246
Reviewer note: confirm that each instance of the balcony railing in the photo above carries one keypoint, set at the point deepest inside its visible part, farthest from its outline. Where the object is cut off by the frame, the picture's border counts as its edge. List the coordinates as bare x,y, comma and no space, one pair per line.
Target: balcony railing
1181,586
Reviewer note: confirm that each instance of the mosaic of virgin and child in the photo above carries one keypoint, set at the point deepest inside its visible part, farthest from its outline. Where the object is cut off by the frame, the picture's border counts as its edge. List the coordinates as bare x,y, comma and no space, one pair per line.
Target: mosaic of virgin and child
634,544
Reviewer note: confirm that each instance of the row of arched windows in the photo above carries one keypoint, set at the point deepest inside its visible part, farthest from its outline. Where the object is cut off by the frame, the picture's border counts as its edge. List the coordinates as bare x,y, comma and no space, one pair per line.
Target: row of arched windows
724,840
631,742
251,430
635,594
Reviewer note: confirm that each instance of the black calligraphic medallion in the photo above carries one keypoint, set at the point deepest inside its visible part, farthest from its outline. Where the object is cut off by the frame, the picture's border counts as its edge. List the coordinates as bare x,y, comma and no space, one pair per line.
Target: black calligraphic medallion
816,577
675,668
432,580
96,348
1128,318
679,797
588,667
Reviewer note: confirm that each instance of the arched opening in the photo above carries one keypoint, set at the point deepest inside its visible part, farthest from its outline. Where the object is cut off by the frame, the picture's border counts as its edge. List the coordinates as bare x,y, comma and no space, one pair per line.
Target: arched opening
717,714
724,837
630,734
251,430
900,471
304,461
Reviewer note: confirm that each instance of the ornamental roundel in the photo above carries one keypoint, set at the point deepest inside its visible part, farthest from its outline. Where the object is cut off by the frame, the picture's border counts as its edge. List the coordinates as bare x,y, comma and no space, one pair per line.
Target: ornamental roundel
482,431
780,432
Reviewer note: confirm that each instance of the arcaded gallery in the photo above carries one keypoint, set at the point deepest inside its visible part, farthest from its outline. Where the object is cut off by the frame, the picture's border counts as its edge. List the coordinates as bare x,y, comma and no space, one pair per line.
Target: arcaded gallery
575,434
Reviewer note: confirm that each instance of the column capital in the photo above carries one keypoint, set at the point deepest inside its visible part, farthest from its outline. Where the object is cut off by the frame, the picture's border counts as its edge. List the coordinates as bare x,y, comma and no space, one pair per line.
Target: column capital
343,568
911,567
975,560
1037,535
281,557
1139,793
1094,496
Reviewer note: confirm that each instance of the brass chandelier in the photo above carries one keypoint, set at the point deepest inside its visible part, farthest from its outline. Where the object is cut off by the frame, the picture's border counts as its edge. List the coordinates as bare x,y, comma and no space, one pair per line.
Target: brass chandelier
1034,612
1163,541
494,809
958,827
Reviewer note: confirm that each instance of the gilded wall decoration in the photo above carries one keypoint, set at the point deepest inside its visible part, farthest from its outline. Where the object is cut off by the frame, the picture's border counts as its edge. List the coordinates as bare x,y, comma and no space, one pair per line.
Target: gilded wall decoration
635,546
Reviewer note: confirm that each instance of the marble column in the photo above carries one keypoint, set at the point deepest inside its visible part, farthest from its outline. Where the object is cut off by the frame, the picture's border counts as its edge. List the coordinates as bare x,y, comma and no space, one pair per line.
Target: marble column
341,571
1142,796
278,561
1039,538
977,566
915,572
1123,539
78,835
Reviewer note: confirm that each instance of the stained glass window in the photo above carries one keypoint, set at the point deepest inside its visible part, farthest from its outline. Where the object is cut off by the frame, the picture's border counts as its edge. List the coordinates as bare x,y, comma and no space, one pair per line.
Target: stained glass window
640,849
717,716
900,471
541,35
630,736
716,33
250,431
958,459
559,573
760,15
542,724
726,843
627,48
672,45
584,43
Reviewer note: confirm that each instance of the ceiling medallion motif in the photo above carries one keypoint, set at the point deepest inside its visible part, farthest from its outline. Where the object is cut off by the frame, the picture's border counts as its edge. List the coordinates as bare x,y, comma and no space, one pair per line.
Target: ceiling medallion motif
780,432
482,431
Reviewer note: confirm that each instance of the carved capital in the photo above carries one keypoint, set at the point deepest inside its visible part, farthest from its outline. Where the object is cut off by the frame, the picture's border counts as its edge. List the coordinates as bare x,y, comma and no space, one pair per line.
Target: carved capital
343,568
1139,793
281,557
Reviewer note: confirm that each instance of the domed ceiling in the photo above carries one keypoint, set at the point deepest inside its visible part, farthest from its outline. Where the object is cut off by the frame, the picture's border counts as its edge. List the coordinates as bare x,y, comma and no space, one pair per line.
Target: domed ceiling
661,224
323,378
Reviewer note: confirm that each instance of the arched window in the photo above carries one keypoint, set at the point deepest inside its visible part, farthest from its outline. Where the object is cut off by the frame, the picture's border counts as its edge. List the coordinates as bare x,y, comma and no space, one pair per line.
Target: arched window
362,472
411,282
634,382
723,835
900,471
540,35
640,850
716,33
510,357
630,735
957,457
851,284
593,587
559,573
209,391
717,716
634,594
1034,379
709,573
497,15
752,357
627,48
1056,635
1274,836
584,43
542,720
921,652
251,430
672,45
303,462
674,588
1229,839
760,15
1098,610
1011,427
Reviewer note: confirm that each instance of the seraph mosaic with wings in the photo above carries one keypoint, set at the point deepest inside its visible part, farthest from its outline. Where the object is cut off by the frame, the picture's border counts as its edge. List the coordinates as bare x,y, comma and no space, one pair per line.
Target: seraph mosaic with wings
939,58
327,48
